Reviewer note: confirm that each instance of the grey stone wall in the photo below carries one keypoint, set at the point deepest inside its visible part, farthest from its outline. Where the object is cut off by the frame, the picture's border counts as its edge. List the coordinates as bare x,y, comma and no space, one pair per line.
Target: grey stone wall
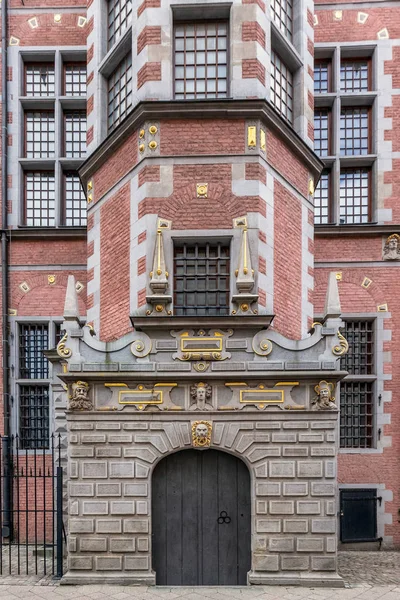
292,463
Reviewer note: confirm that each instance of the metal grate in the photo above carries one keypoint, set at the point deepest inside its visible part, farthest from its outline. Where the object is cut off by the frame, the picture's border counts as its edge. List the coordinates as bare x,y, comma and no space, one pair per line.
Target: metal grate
281,87
75,79
354,131
39,134
322,132
354,196
322,73
282,13
75,201
40,198
356,414
120,92
75,133
119,17
34,416
39,79
322,199
201,279
33,339
360,359
201,60
355,76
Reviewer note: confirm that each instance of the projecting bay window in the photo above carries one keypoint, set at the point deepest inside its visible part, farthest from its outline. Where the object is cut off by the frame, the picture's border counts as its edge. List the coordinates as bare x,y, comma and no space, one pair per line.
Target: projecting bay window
119,19
120,92
201,278
75,79
39,79
357,390
355,196
40,199
281,87
282,14
75,201
322,200
75,133
201,60
33,386
39,134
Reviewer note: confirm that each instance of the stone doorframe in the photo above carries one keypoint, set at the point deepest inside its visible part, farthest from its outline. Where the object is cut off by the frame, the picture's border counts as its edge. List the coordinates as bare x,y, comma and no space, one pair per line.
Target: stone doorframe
291,457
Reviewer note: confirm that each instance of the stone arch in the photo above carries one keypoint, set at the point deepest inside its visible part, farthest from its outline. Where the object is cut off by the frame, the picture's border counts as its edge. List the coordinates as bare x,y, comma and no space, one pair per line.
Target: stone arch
41,294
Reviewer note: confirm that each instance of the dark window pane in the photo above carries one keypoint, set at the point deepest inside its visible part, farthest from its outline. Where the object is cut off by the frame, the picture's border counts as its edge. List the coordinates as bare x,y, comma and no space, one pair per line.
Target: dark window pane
120,92
34,416
321,77
281,87
200,71
356,414
359,360
203,293
33,339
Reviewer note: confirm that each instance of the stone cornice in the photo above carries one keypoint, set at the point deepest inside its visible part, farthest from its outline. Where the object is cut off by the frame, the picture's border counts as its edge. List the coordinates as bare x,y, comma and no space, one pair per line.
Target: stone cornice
369,229
201,109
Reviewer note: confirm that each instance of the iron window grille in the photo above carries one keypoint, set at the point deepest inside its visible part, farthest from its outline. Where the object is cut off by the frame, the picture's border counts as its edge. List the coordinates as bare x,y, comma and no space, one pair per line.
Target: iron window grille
39,134
354,196
282,13
39,79
354,131
119,18
322,200
75,201
201,60
201,279
322,127
120,92
356,414
355,75
359,359
281,87
322,76
34,417
40,199
75,133
33,339
75,79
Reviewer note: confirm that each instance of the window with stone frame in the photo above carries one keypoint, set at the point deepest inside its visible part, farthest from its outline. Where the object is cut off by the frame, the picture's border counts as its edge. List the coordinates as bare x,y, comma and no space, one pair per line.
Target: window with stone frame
201,278
75,79
75,203
322,199
201,60
282,14
74,133
344,139
281,87
357,390
119,18
40,79
40,199
39,134
120,92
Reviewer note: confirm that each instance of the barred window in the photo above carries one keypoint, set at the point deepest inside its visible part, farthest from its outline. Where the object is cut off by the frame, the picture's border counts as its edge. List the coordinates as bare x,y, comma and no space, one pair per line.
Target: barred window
75,133
201,279
355,76
354,196
40,199
359,359
356,414
39,134
322,132
322,74
119,17
120,92
75,201
322,200
201,62
354,131
39,79
34,416
282,13
281,87
75,79
33,339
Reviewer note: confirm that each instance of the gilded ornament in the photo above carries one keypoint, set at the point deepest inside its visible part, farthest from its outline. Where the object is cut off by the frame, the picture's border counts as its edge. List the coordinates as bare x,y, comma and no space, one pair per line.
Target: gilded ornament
89,198
202,190
366,282
62,350
141,133
311,187
51,279
90,185
263,143
139,346
159,308
339,276
382,308
201,366
141,148
153,129
148,312
80,397
244,307
153,145
252,136
342,347
201,434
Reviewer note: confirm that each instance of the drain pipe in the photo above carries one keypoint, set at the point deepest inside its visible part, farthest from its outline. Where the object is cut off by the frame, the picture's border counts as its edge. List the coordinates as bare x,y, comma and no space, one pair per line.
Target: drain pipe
6,454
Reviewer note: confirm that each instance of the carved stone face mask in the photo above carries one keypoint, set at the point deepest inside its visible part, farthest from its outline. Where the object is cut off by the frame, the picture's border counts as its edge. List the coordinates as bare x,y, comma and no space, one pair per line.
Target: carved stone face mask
324,394
201,393
201,431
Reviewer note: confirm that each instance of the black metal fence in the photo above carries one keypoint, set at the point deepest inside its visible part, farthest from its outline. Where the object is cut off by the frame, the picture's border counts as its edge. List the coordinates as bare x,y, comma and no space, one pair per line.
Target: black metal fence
31,508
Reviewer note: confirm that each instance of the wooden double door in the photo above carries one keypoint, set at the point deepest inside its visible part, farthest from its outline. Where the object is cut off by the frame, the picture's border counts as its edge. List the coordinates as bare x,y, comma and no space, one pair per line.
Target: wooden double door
201,519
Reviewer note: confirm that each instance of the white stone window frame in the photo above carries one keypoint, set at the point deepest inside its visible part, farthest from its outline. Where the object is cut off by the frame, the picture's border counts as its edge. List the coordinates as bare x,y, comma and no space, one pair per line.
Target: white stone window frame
334,101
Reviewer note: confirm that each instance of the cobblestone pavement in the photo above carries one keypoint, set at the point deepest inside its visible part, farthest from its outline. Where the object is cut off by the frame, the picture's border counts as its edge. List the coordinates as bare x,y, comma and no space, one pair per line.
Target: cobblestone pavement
368,576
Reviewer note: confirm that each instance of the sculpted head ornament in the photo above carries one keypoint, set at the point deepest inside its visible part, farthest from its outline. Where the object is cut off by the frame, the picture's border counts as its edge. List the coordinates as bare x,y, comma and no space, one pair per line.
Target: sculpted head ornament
201,434
80,397
391,250
324,399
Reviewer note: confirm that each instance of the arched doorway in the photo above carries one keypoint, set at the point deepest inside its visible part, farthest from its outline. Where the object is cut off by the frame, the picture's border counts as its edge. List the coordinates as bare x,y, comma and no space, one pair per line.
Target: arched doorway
201,519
